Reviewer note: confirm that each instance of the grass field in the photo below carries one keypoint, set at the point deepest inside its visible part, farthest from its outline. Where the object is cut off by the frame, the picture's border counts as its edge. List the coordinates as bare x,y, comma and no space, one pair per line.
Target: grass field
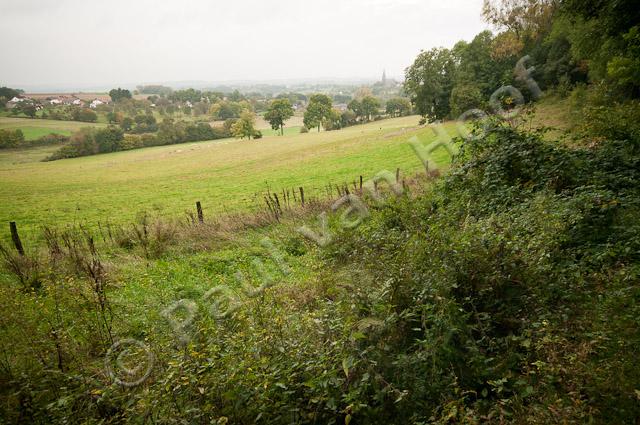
35,128
225,175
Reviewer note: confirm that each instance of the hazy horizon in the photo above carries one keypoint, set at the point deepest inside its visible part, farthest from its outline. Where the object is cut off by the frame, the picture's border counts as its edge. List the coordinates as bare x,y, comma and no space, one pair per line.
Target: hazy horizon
79,44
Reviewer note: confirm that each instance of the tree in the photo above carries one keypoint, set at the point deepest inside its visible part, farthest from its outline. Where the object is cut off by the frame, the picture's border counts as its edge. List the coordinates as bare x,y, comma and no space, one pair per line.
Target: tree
528,19
319,110
278,112
398,107
464,97
429,81
29,109
332,121
606,36
225,109
188,95
341,98
370,107
11,138
362,92
356,107
115,117
6,94
126,124
84,115
347,118
477,65
245,126
108,139
119,94
145,123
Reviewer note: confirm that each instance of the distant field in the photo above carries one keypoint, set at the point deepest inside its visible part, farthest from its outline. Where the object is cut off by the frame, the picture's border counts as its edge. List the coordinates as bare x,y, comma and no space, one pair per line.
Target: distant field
226,175
35,128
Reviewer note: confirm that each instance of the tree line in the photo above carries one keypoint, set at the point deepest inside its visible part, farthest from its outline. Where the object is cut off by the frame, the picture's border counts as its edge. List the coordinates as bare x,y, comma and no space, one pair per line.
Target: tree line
570,42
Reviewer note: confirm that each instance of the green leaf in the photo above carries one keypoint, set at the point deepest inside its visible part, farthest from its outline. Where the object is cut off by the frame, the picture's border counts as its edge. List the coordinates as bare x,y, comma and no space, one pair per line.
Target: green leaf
345,367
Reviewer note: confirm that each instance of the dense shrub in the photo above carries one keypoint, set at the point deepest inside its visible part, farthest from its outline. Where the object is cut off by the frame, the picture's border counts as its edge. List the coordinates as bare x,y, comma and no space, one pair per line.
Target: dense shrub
465,97
498,278
619,122
170,132
84,115
145,124
90,141
11,138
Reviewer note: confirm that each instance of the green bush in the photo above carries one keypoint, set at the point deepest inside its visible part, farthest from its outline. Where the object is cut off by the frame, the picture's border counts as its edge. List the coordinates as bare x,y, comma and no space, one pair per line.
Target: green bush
90,141
11,138
465,97
84,115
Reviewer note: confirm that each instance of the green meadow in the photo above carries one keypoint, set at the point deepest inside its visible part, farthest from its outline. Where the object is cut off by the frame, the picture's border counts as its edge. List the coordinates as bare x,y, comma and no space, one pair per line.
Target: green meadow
226,175
36,128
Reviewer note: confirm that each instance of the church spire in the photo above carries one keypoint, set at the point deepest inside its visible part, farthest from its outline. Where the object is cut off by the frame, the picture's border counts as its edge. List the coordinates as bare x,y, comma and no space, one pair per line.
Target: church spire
384,77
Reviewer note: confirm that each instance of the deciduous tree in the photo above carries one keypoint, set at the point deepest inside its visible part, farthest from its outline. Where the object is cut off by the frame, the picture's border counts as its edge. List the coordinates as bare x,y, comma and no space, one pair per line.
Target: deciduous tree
245,126
319,110
118,94
278,112
429,81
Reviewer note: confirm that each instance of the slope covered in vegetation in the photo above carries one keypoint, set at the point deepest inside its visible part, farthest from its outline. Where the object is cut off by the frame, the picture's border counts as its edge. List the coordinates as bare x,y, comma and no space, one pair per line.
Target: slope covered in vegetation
507,291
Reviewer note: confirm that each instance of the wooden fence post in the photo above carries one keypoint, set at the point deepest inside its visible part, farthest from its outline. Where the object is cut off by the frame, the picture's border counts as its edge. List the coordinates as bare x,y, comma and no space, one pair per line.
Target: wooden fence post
16,238
397,175
200,215
302,195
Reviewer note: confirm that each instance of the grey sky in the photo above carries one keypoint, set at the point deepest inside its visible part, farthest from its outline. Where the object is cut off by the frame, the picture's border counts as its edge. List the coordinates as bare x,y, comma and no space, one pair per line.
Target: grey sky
86,42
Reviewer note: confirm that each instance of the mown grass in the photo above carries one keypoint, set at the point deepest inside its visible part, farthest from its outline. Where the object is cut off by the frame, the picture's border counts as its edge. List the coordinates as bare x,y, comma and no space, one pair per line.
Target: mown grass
225,175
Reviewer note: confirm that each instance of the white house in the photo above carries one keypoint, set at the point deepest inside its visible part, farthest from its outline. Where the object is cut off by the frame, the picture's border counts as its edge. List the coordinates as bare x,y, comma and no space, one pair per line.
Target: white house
77,102
17,99
55,101
95,103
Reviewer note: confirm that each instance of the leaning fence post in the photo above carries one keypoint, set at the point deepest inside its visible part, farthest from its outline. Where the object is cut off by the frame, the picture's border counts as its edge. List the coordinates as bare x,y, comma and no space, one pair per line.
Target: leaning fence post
200,215
16,238
302,195
397,175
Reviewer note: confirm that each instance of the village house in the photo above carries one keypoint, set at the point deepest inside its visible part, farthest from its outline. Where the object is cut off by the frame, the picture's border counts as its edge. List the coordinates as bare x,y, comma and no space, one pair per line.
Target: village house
95,103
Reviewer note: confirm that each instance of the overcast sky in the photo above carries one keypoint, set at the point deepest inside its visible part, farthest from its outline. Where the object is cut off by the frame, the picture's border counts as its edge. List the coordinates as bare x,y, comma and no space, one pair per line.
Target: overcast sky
81,43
